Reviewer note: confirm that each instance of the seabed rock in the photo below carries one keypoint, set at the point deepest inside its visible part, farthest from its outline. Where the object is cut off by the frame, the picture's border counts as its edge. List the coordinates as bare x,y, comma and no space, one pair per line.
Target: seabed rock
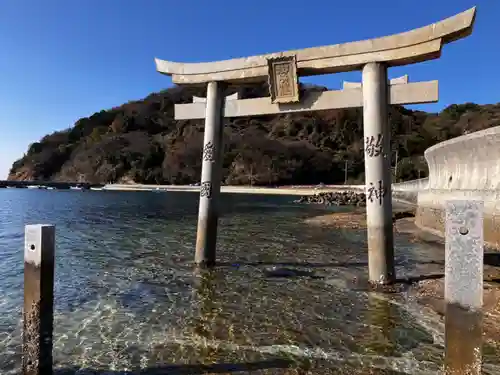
286,272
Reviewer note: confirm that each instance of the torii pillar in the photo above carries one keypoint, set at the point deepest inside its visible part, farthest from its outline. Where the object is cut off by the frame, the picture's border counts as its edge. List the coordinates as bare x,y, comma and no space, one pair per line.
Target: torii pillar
211,168
378,177
281,70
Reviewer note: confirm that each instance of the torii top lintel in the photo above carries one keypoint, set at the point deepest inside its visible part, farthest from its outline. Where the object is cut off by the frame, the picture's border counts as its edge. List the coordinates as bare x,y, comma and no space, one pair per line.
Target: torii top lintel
399,49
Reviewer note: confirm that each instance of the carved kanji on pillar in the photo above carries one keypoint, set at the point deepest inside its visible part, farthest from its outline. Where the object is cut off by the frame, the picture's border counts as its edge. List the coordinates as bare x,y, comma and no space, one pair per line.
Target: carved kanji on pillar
208,152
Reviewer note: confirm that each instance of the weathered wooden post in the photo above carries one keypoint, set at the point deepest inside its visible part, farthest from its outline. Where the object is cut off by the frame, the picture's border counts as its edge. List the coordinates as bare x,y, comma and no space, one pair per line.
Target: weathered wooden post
378,174
463,287
38,299
208,215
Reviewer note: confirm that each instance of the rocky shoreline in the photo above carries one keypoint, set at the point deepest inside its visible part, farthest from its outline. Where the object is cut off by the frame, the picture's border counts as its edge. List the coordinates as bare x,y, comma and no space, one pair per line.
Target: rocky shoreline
341,198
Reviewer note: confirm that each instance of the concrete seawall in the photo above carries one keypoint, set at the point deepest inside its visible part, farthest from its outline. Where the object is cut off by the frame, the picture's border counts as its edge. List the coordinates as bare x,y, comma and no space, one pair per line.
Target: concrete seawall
408,191
466,167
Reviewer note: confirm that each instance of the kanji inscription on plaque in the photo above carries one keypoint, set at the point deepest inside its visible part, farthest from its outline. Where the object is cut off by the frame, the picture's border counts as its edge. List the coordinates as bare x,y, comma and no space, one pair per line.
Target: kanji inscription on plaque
283,81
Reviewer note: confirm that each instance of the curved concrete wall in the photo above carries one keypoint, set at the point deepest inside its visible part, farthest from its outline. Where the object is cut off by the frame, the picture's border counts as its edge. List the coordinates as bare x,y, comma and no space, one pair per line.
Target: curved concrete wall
412,185
408,191
466,167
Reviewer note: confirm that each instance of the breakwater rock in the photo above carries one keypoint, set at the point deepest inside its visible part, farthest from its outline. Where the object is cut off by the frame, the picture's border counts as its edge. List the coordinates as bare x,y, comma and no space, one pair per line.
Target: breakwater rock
343,198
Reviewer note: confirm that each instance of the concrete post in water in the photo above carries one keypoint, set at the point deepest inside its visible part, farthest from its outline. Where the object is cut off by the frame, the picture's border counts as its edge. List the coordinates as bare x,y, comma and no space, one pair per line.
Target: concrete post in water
38,299
206,238
378,174
463,287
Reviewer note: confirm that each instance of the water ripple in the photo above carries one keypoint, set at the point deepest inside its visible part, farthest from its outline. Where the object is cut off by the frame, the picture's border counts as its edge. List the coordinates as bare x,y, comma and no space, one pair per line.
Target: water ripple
127,297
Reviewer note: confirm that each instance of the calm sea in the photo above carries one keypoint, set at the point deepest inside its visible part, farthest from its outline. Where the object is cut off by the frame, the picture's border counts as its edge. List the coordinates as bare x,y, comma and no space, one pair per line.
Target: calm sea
127,298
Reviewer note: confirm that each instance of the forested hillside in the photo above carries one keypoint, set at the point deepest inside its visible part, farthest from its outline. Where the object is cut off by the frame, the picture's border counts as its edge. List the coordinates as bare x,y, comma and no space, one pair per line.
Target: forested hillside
141,142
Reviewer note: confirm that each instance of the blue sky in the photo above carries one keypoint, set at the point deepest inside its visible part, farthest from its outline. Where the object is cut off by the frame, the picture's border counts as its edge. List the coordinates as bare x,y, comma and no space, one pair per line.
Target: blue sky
66,59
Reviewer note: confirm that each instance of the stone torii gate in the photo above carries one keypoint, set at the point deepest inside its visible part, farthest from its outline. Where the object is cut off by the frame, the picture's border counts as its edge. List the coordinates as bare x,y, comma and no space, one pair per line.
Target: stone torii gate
282,70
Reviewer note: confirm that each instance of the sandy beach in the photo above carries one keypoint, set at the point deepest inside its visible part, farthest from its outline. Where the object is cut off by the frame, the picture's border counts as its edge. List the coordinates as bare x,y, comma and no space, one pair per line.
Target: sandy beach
283,190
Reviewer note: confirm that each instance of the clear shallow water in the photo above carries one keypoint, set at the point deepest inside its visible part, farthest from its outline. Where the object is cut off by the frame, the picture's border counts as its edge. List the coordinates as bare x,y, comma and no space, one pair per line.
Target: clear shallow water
127,297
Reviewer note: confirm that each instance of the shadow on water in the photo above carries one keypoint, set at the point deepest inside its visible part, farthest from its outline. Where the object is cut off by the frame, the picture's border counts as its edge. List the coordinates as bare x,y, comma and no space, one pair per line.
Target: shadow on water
308,264
296,269
293,264
492,259
222,368
416,279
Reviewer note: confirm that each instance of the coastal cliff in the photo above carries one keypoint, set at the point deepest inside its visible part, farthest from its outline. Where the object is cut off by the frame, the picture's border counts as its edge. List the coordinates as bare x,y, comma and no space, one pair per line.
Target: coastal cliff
140,142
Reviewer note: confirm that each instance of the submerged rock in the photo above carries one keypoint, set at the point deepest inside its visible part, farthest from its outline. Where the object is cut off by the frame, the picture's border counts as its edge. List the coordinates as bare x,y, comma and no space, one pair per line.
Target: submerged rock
286,272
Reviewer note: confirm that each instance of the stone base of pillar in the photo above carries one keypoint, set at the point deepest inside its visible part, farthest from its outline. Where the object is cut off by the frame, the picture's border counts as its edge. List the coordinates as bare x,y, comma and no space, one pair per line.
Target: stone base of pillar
381,255
206,241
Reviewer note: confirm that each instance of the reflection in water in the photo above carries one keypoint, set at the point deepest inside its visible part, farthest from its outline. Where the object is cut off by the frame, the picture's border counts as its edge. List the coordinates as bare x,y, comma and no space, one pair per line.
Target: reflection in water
215,329
381,322
381,337
463,337
205,322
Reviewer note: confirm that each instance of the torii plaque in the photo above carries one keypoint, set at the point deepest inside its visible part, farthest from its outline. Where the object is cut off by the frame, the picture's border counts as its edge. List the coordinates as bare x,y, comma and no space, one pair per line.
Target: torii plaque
283,80
373,57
